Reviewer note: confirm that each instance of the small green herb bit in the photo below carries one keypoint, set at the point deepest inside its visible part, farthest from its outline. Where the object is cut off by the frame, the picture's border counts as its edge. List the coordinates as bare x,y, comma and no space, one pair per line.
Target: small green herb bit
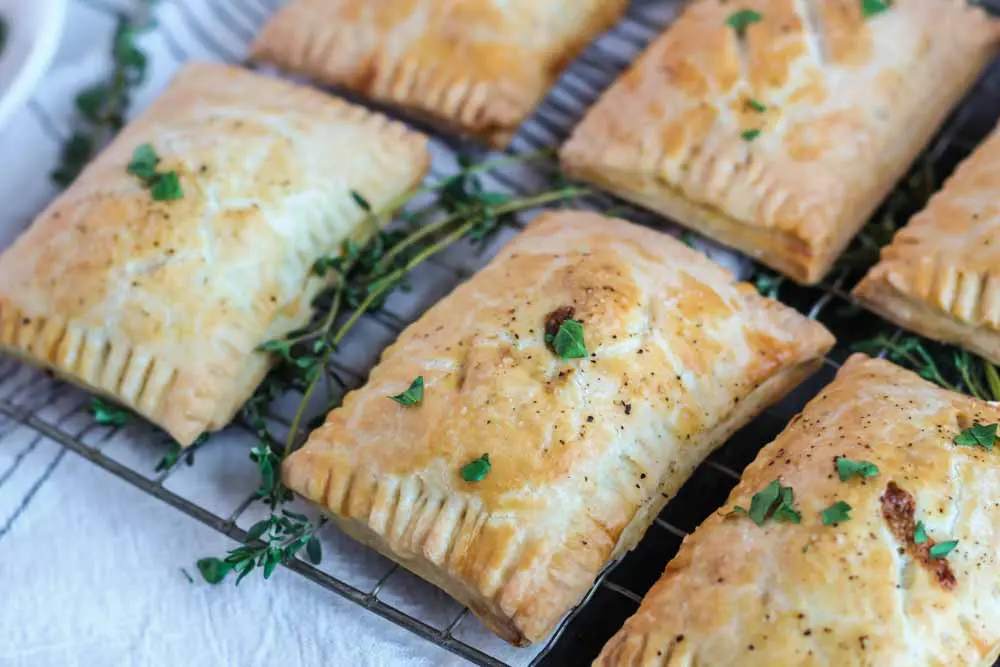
749,135
743,19
942,549
568,341
213,570
476,470
768,284
774,501
978,435
756,106
167,187
144,161
920,533
846,469
838,512
870,8
106,414
412,396
164,186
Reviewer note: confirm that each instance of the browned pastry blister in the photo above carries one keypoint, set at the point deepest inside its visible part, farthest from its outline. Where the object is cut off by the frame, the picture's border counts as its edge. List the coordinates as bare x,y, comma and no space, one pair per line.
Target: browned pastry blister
940,276
879,588
584,452
475,66
780,138
162,305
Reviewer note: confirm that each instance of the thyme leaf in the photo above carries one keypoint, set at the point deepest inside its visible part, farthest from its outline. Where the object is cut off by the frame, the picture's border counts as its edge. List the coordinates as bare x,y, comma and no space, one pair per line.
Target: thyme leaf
414,394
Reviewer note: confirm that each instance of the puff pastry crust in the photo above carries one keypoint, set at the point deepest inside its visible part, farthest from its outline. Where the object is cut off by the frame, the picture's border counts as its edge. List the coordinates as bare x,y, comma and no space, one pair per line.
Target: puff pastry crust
940,276
842,104
584,452
162,305
855,593
478,66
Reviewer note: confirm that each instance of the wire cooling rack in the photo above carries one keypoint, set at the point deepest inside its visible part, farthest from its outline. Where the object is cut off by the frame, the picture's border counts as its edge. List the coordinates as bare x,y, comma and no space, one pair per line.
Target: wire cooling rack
58,412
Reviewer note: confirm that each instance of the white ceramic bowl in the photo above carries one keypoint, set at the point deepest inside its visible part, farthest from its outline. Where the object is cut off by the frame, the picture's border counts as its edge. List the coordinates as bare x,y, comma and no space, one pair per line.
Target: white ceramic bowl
33,31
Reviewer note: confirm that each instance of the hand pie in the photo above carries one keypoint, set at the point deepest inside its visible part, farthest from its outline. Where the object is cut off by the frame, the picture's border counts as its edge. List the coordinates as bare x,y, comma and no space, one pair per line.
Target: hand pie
162,304
479,66
522,473
940,276
777,127
875,583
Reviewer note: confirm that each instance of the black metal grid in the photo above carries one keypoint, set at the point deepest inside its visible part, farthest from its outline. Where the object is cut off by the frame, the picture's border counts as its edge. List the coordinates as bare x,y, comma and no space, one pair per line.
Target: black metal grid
619,590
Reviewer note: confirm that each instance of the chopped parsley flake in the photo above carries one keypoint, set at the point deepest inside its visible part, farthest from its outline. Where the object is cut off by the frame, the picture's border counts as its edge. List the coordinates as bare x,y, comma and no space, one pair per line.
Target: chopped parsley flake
749,135
476,470
920,533
743,19
978,435
144,161
942,549
838,512
163,186
568,341
775,502
166,187
412,396
870,8
756,106
846,469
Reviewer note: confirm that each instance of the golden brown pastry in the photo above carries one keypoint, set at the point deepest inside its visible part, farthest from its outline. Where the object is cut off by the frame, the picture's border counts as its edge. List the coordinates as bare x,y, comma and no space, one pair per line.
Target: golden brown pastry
582,451
478,66
160,302
880,582
777,126
940,276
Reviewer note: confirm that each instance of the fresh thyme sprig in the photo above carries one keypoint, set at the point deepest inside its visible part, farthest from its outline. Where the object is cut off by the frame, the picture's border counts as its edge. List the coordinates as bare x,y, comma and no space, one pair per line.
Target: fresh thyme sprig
959,371
101,107
360,280
271,541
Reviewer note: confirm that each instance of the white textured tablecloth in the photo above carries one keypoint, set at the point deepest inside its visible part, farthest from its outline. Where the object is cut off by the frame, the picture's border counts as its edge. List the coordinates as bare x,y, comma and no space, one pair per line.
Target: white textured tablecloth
90,567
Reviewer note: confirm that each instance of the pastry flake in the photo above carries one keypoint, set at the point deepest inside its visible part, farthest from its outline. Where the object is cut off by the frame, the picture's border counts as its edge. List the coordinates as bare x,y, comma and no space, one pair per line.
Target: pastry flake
160,302
878,582
780,134
530,463
479,66
940,276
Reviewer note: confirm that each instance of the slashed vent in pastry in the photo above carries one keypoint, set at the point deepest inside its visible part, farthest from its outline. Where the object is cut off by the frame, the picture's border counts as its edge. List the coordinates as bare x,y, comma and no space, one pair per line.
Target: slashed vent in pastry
867,533
479,66
777,126
569,389
189,242
940,276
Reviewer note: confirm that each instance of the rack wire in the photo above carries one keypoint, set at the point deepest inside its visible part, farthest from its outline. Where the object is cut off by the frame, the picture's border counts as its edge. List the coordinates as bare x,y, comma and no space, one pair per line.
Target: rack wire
58,412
